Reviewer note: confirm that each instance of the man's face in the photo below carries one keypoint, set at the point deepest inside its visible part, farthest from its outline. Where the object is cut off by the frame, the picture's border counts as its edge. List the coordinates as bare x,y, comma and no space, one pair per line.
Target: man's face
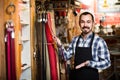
86,23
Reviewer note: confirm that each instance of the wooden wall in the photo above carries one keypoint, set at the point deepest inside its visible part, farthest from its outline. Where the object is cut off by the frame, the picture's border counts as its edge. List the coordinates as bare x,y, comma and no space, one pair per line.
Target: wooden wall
2,45
5,17
32,24
15,17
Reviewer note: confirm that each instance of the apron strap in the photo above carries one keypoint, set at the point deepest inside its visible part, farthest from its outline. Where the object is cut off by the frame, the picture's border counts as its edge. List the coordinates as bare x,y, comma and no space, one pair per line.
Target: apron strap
92,40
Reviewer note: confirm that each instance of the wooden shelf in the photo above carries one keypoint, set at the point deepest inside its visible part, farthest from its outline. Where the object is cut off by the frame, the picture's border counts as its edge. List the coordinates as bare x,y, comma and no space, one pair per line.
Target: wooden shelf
110,36
24,24
25,40
60,8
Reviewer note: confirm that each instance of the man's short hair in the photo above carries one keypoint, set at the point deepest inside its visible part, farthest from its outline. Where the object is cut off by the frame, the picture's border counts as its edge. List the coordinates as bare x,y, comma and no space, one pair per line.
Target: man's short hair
86,13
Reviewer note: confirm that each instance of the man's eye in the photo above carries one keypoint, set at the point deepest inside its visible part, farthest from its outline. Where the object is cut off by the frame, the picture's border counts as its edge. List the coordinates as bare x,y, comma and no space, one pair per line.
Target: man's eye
81,21
88,21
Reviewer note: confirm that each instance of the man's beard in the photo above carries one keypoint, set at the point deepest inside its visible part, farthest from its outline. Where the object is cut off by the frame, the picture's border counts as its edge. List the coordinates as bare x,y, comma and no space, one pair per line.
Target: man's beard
86,31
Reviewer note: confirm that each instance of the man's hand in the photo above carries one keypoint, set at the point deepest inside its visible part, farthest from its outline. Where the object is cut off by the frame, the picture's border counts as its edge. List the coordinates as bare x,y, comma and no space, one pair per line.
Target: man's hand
57,40
82,65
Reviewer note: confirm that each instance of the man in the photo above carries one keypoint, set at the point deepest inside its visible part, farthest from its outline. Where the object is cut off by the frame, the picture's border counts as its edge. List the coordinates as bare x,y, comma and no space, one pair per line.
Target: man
90,50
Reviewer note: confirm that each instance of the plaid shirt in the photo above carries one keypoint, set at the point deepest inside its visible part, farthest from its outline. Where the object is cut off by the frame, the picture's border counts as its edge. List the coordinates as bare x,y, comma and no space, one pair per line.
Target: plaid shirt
100,52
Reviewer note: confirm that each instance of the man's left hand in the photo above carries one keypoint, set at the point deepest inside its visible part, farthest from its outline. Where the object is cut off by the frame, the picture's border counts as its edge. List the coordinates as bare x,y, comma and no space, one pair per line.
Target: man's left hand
82,64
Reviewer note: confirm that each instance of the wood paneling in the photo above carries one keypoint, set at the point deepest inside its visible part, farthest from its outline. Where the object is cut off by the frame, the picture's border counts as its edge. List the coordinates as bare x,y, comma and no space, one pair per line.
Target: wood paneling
32,23
4,18
2,43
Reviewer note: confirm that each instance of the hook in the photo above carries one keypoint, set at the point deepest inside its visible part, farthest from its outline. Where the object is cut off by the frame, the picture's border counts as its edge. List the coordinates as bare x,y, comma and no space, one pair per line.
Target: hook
10,9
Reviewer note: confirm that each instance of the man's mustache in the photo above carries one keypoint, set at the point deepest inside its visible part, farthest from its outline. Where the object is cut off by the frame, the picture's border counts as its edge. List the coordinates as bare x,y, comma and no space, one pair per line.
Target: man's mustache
85,27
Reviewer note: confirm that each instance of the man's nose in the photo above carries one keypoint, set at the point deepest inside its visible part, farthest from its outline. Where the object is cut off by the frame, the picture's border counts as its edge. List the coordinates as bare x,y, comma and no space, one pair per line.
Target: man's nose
85,23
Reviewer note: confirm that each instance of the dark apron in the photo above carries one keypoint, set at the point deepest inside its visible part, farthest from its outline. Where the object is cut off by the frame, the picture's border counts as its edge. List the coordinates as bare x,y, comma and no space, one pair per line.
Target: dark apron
82,54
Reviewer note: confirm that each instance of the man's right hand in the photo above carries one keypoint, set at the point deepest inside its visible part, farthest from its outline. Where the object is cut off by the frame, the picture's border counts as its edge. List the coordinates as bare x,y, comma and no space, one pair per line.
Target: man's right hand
57,40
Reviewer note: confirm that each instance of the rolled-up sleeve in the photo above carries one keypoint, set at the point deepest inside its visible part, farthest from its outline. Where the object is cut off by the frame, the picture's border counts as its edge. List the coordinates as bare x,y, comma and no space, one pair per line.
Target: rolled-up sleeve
102,60
67,53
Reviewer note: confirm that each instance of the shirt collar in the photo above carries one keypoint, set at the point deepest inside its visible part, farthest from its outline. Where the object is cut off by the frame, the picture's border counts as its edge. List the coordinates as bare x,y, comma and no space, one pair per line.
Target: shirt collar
88,36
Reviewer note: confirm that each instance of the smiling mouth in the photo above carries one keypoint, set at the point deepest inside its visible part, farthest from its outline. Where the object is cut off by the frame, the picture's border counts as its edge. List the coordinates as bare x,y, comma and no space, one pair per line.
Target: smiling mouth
85,28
